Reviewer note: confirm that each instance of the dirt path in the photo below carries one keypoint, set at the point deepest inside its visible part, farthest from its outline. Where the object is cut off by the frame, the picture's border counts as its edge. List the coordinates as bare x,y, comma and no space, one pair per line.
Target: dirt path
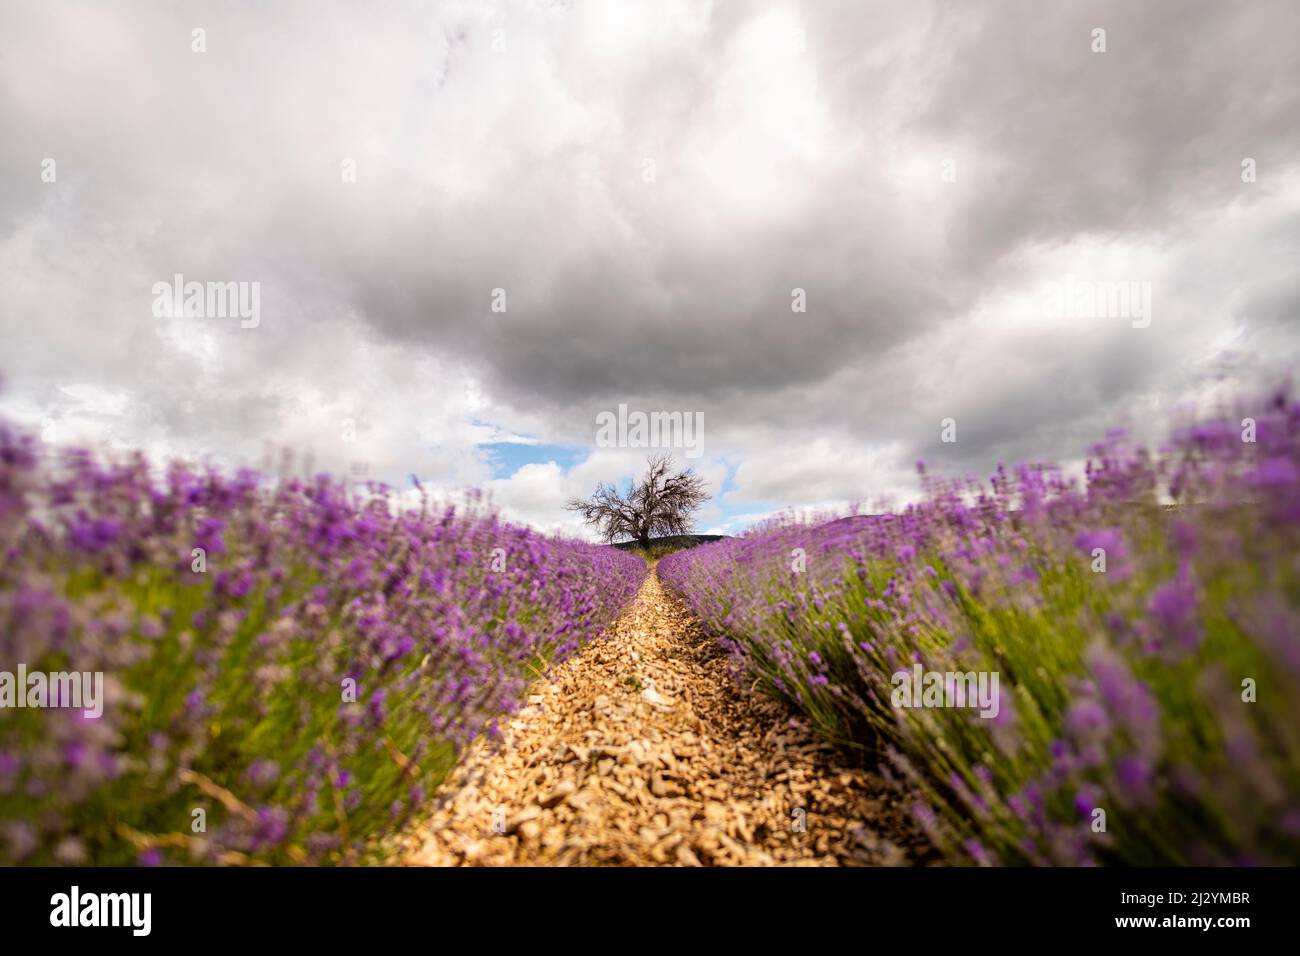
641,750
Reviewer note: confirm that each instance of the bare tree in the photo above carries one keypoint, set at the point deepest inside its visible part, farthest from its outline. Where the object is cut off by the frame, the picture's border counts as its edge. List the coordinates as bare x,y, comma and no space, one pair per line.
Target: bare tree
659,504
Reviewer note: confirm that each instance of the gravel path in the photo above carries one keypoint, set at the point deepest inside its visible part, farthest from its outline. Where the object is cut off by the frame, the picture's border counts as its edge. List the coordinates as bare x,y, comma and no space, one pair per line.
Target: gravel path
641,750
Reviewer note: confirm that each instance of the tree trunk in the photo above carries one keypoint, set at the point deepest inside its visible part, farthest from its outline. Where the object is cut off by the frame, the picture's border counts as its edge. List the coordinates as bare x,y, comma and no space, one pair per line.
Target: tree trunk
643,539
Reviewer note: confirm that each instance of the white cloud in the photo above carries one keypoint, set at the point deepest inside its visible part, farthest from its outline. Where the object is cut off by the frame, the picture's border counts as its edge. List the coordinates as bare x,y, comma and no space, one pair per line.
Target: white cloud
794,145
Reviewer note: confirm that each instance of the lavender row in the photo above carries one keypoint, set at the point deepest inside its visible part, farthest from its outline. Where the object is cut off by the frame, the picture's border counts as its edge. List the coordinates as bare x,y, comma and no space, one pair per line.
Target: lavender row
283,671
1064,672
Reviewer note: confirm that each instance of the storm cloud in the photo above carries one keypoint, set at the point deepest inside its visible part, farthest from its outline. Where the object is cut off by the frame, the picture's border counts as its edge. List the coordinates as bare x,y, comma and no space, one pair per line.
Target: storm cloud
648,190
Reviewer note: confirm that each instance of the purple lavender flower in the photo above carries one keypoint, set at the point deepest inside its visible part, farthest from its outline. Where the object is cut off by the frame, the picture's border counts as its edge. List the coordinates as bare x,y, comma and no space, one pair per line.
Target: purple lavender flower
1173,610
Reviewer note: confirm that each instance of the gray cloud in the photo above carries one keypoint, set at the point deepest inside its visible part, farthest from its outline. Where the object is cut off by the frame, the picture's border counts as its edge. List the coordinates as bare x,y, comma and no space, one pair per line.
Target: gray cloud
648,183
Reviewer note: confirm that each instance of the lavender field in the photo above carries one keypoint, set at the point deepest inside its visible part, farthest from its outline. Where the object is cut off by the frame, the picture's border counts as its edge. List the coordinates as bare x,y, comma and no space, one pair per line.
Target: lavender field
1142,625
558,437
287,668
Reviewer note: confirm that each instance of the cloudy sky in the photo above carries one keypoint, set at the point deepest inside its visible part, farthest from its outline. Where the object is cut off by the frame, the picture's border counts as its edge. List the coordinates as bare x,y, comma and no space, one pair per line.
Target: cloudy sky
648,185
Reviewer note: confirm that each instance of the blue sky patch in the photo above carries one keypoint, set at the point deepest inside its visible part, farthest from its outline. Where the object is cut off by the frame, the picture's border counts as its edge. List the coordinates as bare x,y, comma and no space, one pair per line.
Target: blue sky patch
508,457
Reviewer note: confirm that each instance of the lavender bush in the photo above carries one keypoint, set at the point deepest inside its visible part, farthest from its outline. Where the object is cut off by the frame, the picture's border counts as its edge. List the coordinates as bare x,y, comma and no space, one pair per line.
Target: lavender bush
289,669
1159,685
